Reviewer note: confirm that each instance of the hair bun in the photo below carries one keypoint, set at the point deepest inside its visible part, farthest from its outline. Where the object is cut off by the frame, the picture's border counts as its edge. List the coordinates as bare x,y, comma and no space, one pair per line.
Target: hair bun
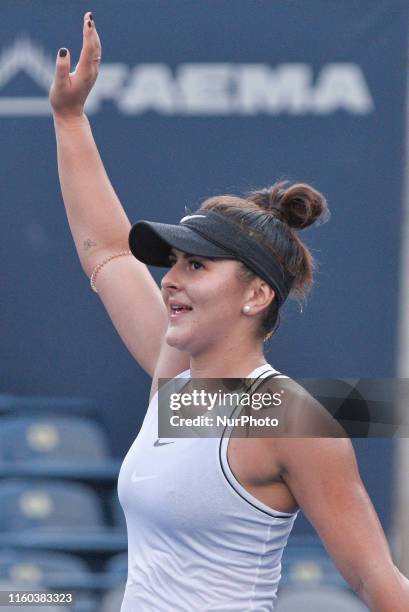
298,205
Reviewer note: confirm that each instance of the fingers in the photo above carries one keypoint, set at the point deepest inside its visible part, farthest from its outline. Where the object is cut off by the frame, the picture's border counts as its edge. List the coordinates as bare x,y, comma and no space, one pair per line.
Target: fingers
91,47
62,67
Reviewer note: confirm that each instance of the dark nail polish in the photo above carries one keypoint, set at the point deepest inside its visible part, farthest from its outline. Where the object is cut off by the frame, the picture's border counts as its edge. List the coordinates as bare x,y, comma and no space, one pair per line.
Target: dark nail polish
62,52
90,16
89,24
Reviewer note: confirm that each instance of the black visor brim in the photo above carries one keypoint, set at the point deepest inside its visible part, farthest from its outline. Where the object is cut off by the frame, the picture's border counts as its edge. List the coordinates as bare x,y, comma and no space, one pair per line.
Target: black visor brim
151,243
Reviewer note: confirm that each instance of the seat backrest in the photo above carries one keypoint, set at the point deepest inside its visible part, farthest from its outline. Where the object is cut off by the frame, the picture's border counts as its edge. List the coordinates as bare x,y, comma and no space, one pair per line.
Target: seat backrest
27,504
318,599
118,564
67,439
112,600
31,567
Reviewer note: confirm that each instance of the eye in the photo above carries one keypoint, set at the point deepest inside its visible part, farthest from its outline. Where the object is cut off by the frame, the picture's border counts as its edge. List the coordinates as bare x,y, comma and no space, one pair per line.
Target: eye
196,265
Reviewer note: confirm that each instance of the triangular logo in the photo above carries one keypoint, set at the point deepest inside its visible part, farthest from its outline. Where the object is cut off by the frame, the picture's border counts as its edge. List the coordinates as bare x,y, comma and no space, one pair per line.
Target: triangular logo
25,56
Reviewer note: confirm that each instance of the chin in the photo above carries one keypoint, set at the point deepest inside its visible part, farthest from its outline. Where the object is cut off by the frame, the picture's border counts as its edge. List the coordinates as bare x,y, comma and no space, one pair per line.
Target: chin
175,340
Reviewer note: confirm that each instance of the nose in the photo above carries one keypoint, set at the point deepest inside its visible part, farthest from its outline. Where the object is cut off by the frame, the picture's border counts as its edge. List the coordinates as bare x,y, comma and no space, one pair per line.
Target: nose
172,279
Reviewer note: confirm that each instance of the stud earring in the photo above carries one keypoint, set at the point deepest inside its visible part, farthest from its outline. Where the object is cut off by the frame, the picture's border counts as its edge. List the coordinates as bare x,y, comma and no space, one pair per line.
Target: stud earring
246,309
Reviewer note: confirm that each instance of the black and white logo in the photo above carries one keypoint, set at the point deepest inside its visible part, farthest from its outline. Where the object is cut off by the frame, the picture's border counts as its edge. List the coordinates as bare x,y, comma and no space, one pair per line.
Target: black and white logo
191,88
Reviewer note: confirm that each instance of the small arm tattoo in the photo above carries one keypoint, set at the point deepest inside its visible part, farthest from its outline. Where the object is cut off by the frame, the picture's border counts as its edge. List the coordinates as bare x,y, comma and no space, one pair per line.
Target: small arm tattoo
88,244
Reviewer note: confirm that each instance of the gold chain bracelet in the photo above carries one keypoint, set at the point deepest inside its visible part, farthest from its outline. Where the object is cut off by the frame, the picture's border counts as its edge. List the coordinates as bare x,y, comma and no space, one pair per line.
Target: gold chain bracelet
101,265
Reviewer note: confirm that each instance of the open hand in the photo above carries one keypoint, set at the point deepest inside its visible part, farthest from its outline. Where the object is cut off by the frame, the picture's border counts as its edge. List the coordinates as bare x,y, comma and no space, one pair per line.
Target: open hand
70,90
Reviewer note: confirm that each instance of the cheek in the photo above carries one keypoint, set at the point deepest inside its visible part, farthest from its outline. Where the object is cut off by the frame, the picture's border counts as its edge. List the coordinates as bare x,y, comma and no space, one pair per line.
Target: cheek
219,301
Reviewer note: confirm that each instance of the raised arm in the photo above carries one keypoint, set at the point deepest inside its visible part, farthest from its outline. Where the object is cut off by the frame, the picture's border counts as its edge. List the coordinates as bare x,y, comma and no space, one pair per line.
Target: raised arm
323,477
97,219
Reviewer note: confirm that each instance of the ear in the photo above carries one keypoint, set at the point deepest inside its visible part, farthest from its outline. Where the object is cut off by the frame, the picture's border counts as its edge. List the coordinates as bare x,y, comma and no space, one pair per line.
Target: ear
259,296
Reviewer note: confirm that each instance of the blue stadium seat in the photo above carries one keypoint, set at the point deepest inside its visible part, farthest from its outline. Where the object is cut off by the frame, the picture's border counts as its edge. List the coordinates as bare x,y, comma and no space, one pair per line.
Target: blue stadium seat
113,600
118,565
52,438
61,571
40,568
305,562
56,515
84,603
28,504
318,599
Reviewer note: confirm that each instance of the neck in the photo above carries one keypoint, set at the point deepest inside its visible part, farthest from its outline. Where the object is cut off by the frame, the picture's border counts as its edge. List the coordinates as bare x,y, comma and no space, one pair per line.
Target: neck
231,360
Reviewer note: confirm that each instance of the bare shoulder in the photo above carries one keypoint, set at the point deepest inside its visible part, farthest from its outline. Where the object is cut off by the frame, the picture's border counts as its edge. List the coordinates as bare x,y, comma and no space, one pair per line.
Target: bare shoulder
300,415
171,362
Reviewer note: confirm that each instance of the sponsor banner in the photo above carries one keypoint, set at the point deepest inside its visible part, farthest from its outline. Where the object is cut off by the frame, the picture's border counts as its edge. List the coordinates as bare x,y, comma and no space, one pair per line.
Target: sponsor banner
195,89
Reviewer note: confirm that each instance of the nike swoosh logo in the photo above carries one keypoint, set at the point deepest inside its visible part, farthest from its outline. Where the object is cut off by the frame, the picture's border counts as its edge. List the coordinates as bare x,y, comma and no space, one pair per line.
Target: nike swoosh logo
157,443
136,478
192,217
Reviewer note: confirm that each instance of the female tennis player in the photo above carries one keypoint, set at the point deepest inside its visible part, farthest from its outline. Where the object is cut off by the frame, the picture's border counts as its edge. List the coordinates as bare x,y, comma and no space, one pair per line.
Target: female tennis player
208,518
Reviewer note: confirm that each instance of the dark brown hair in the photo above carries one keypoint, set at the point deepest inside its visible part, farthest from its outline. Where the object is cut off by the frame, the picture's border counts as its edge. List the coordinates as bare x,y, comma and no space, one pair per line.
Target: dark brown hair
274,215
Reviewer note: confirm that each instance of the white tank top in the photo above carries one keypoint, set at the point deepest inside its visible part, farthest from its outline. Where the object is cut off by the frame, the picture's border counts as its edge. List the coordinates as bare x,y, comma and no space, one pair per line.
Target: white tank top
197,539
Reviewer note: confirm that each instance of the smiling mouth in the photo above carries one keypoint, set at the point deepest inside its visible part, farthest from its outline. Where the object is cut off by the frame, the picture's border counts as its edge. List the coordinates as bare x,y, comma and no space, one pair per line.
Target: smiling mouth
178,311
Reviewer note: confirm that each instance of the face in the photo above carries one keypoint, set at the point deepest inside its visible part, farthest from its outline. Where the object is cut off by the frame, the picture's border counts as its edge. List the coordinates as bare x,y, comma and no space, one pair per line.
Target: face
212,297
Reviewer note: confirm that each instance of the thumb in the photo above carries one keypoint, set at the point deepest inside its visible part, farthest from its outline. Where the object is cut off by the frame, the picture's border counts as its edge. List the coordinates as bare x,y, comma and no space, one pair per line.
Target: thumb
63,64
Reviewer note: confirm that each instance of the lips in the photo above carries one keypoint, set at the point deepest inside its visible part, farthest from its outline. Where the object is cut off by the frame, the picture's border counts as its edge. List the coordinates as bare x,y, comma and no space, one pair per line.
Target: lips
178,309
